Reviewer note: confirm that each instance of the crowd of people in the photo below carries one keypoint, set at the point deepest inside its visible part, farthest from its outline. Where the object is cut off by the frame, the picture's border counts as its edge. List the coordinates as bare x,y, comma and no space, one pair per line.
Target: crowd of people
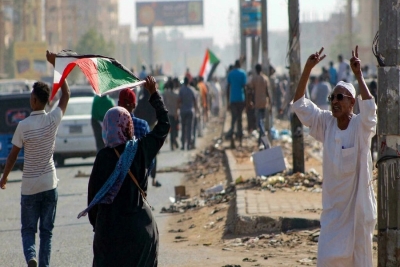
130,133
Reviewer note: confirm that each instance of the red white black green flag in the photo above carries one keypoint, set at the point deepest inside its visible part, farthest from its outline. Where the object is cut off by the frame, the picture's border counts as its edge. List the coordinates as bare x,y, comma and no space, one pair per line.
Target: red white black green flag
209,65
105,74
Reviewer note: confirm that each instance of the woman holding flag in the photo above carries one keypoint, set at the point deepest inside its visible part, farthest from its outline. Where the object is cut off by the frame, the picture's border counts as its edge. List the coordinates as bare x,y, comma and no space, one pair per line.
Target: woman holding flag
125,231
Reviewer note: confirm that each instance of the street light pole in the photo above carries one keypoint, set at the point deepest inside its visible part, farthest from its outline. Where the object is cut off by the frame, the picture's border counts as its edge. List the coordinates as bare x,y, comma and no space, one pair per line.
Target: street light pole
294,73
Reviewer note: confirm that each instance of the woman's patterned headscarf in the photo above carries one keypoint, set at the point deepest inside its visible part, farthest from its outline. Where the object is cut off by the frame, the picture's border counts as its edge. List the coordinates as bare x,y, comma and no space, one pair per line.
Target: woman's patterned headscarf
117,127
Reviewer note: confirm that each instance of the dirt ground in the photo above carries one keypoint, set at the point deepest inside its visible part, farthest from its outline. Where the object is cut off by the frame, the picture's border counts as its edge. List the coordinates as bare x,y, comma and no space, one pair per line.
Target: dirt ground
207,223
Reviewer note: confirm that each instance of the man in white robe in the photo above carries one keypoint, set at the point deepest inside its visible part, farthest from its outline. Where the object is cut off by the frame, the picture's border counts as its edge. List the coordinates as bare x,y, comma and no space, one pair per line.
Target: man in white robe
349,206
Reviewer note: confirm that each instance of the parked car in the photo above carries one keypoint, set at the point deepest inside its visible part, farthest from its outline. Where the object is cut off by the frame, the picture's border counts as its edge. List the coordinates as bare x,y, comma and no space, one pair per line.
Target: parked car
13,109
15,86
75,138
76,91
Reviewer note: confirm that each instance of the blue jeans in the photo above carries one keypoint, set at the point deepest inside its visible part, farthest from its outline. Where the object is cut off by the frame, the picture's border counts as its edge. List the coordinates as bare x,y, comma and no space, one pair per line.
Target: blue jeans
260,118
187,126
236,113
38,207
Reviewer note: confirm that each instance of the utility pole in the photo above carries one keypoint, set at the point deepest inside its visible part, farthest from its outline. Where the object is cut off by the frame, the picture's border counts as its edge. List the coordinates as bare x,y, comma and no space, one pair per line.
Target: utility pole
294,73
389,136
242,37
349,27
2,34
150,39
264,36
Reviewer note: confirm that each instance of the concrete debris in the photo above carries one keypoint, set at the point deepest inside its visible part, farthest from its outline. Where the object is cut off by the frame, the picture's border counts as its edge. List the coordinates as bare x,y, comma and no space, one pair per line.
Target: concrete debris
81,174
176,231
310,181
206,163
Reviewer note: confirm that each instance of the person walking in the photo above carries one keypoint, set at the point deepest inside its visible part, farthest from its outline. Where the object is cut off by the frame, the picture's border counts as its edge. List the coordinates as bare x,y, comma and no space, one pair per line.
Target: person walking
127,100
204,95
343,70
349,207
125,230
262,100
187,106
237,81
216,96
332,74
39,194
100,105
320,92
171,97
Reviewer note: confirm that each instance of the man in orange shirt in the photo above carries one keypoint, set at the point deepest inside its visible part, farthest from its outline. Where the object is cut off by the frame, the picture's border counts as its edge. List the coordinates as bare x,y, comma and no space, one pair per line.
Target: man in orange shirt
204,97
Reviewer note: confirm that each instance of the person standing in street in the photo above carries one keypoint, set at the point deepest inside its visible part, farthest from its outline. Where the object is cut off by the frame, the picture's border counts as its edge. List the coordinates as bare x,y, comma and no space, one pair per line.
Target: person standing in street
343,69
332,74
39,195
127,100
171,102
216,96
262,100
204,98
100,105
349,206
320,92
143,73
125,230
237,81
187,106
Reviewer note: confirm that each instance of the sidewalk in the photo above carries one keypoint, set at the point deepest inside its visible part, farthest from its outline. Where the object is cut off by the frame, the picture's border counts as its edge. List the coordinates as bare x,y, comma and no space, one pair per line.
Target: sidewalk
263,211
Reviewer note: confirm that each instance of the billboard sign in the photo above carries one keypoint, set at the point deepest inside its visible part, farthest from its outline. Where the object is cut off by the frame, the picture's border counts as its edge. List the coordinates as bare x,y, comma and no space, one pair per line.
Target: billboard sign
30,60
251,18
171,13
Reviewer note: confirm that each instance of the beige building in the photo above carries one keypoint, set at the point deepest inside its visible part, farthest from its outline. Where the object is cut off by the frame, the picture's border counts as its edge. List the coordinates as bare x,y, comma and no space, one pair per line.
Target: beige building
68,20
61,24
368,19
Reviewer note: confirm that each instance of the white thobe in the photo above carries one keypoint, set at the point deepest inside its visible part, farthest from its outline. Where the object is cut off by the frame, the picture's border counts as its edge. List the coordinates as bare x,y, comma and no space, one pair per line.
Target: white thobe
349,206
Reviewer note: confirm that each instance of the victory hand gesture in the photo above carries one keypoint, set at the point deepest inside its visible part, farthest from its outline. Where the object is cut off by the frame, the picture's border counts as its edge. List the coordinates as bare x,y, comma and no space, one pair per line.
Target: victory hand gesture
355,62
314,59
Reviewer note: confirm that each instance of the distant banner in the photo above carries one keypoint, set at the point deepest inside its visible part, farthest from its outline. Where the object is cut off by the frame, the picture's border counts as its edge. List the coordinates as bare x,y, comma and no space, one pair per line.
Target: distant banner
251,18
174,13
30,60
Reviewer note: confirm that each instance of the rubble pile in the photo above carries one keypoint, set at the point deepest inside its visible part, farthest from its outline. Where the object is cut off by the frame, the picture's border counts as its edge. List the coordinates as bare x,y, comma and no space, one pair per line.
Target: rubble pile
310,181
207,163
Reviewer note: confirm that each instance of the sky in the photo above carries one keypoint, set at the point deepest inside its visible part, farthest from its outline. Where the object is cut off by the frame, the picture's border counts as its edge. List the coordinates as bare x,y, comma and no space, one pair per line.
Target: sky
221,18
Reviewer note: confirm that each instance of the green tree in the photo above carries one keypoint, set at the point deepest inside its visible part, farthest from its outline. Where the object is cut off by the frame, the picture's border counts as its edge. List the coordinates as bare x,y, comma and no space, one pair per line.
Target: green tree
93,43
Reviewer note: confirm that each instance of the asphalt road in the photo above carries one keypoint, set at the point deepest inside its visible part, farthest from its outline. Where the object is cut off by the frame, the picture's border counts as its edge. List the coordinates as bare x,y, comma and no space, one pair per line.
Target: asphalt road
72,237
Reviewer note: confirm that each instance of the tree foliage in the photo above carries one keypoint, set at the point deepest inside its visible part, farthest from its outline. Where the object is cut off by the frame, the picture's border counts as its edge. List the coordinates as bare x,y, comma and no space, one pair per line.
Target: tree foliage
93,42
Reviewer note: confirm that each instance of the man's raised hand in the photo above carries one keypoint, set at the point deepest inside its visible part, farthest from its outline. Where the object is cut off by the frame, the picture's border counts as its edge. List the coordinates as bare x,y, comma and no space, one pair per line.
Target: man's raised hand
355,62
314,59
51,57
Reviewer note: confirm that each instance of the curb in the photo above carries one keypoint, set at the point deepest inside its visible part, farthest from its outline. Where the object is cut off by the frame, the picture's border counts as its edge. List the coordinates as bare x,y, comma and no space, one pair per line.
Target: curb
245,224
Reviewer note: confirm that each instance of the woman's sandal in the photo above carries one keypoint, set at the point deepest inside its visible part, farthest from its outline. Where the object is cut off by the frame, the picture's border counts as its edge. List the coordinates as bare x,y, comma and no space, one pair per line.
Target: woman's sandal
156,184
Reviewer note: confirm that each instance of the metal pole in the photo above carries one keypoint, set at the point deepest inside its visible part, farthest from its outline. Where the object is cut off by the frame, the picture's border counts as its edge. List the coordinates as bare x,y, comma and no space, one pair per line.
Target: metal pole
264,36
350,24
150,38
241,34
2,33
389,136
294,73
